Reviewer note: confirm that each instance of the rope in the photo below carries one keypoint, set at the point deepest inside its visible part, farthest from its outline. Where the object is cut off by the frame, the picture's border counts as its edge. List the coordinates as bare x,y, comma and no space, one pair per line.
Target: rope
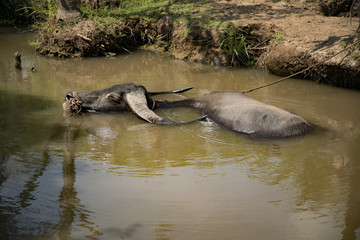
75,106
304,70
153,104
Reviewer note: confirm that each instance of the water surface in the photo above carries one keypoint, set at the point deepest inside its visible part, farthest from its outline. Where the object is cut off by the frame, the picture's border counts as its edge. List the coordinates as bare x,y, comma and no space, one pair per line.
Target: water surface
112,176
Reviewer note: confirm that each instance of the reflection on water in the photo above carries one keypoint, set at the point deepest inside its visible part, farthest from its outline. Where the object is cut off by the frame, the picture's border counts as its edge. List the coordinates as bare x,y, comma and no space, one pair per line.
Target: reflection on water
112,176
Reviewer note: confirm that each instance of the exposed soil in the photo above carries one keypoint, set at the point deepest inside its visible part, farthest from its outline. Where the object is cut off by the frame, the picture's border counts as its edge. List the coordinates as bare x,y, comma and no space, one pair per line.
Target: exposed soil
84,39
283,37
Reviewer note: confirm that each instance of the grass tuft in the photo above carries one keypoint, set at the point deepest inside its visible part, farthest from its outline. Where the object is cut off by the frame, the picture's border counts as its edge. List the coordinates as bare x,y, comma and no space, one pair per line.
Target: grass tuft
235,47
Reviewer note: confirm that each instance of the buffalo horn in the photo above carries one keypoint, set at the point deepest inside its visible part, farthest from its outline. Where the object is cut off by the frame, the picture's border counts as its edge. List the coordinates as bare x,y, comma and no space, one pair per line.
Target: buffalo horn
138,104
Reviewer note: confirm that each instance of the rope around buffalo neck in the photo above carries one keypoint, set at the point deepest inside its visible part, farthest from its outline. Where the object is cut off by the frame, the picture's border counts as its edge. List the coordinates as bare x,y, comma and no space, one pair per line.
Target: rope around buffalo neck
153,104
304,70
75,106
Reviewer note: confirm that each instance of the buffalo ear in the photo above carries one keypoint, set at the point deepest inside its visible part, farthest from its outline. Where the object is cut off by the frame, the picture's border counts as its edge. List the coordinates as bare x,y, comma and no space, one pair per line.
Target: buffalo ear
114,96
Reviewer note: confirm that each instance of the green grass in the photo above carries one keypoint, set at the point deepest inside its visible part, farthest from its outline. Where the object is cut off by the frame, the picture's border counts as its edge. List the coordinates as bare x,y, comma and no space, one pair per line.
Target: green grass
26,12
187,13
33,44
140,8
40,14
7,22
354,50
40,10
196,12
278,38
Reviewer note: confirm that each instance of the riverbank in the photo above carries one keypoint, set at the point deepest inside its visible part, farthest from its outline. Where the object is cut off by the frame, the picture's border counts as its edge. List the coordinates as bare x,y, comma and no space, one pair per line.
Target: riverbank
283,37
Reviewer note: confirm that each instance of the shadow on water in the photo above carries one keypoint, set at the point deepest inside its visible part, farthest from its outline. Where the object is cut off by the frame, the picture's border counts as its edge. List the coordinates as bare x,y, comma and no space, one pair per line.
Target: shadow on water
21,129
352,215
19,126
67,208
71,209
70,205
67,199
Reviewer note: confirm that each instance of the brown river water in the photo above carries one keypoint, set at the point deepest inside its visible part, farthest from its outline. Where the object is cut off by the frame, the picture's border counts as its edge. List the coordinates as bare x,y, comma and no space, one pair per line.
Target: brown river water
113,176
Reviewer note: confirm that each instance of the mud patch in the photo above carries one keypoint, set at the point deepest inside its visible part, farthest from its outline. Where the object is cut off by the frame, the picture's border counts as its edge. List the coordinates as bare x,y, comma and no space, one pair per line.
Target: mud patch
288,60
285,61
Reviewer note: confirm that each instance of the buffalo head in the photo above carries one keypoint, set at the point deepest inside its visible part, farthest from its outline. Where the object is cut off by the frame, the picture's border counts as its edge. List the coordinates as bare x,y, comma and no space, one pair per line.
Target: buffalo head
127,97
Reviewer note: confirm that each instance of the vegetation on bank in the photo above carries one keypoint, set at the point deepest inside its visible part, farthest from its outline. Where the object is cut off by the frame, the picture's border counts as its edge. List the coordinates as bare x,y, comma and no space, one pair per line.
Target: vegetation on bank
187,15
107,14
26,12
39,11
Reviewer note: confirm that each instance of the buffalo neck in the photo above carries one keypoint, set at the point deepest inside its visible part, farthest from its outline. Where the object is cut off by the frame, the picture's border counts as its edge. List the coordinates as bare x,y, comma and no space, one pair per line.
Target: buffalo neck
181,103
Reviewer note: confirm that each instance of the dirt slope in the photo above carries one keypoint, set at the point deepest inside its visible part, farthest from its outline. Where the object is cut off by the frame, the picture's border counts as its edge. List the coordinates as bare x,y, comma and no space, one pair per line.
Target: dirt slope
304,36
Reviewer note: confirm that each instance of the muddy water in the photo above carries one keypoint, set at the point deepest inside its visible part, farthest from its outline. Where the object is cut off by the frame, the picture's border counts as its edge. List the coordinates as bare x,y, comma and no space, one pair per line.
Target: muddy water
112,176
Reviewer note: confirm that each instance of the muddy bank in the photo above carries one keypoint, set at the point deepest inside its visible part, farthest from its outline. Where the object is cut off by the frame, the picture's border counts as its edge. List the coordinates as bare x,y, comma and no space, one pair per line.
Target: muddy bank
87,38
342,70
283,39
195,43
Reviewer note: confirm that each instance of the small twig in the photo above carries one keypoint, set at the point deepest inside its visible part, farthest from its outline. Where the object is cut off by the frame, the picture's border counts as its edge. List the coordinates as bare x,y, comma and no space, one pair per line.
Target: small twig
126,50
83,37
304,70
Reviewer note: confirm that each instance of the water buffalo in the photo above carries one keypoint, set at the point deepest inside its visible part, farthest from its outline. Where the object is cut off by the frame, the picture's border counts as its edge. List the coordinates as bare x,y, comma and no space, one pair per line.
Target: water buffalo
237,112
232,110
127,97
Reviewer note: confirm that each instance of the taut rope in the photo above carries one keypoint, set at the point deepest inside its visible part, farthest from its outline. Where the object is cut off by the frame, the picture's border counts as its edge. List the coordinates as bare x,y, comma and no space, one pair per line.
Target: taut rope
304,70
153,104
